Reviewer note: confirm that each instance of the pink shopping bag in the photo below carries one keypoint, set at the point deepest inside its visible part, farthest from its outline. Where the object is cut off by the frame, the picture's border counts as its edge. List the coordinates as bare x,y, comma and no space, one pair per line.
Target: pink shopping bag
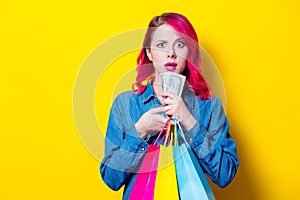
143,188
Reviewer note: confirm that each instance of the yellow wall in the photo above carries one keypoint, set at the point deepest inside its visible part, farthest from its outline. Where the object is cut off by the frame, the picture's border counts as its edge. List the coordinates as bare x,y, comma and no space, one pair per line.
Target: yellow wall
255,45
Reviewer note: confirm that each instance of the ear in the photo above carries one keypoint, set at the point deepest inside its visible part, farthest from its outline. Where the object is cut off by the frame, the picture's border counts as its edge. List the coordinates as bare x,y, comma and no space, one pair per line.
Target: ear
149,55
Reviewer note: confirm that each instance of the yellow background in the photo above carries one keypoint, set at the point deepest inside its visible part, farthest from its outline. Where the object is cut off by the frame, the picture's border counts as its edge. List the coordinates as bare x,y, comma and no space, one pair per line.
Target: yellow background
255,45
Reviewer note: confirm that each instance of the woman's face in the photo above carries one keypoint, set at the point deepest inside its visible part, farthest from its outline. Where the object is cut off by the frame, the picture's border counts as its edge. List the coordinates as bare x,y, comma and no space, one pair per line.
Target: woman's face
167,51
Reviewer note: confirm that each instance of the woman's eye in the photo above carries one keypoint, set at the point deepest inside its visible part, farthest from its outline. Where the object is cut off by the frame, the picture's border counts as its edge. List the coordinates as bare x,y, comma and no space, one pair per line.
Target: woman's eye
161,45
180,44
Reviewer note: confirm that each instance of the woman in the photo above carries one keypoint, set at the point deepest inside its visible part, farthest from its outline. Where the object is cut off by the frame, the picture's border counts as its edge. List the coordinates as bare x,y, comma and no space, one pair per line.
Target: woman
170,44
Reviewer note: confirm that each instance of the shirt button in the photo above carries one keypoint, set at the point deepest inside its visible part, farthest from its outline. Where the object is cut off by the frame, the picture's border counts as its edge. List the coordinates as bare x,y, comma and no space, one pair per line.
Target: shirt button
143,149
191,139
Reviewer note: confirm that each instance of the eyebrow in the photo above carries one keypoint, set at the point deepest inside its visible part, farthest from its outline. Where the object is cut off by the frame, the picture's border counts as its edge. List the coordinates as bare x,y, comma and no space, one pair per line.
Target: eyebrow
180,38
161,41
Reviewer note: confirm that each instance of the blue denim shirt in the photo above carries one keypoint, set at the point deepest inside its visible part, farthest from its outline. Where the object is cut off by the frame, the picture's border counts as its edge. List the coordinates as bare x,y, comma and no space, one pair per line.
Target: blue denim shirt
209,138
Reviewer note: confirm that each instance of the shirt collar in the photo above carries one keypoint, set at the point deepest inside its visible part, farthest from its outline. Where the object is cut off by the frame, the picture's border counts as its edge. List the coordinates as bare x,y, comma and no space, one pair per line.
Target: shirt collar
187,94
148,93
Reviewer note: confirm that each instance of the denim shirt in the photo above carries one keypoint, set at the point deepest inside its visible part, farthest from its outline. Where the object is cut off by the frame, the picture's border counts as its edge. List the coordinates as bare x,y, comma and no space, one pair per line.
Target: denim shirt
125,149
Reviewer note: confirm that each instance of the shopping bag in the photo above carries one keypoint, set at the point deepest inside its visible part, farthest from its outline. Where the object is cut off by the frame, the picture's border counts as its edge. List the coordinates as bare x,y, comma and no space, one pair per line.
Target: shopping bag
170,170
156,178
143,188
166,182
192,183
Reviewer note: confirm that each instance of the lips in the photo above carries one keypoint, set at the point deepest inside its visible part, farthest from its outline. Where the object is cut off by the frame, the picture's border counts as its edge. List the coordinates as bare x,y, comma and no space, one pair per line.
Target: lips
170,66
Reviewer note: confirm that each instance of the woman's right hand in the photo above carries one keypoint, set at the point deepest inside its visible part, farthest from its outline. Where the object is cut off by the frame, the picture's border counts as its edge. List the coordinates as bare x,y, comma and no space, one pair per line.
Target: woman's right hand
151,121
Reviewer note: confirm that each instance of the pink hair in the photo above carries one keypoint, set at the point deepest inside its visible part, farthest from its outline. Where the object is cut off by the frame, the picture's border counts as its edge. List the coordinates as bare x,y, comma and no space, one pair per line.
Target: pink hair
145,69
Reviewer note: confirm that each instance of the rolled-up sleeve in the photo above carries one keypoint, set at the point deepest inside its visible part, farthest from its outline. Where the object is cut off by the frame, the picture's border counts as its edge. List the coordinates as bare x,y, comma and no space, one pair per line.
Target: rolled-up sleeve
123,148
212,143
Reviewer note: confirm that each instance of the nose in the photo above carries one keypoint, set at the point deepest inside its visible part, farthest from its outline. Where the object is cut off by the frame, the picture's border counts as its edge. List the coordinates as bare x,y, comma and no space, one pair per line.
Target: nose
171,53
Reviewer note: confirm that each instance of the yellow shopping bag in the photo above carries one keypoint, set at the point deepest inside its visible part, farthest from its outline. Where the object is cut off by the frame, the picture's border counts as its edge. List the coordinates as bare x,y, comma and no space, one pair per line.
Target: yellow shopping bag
166,182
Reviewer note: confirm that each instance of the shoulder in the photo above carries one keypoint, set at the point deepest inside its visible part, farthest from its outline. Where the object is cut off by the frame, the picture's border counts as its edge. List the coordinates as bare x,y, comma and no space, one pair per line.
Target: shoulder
211,106
123,100
211,112
212,101
124,96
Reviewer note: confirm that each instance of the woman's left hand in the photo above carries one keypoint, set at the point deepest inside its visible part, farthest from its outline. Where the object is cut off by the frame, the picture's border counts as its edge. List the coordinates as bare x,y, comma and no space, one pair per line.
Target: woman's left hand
175,106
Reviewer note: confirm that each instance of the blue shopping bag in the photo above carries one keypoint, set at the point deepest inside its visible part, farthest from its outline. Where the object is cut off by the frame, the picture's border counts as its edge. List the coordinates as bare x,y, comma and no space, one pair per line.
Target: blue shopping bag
192,183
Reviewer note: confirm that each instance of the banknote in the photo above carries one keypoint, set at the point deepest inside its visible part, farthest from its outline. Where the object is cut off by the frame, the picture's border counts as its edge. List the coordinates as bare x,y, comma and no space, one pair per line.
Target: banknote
162,79
172,82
